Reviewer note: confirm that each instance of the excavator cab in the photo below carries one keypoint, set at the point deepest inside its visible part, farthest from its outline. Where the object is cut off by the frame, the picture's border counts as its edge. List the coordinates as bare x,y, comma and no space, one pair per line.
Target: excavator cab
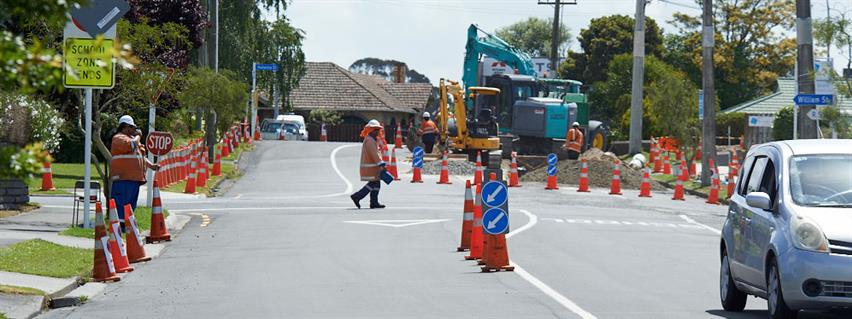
482,120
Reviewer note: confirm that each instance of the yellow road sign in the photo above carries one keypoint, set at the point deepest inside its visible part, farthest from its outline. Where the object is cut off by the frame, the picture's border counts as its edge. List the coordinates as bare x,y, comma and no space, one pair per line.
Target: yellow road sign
88,63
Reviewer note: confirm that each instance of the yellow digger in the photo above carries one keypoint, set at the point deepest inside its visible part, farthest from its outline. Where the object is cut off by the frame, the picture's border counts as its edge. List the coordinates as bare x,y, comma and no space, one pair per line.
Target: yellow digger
468,131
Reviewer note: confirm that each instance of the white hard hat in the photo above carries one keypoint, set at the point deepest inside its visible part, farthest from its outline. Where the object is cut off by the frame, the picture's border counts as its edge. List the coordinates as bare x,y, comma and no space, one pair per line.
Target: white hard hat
373,123
575,124
126,119
426,114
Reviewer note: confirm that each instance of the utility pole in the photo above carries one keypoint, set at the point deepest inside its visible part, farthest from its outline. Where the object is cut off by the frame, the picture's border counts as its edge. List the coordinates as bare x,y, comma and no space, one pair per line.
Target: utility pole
805,60
708,136
636,95
554,37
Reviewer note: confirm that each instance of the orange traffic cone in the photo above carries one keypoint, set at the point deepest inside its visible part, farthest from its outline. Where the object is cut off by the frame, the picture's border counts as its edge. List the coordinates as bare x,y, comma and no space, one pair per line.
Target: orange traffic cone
732,178
190,181
693,169
116,243
552,171
445,171
323,134
201,176
584,176
135,247
257,134
397,139
102,268
645,187
159,231
713,197
615,186
652,155
416,175
217,165
477,173
658,161
485,237
667,164
47,178
684,176
282,135
467,218
392,167
476,239
226,151
495,256
385,153
513,172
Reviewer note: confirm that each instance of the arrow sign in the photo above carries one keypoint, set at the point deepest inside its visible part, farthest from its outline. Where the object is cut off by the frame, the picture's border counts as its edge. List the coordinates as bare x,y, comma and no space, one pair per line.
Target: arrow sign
814,99
418,152
551,171
551,159
494,194
814,114
417,162
99,16
496,221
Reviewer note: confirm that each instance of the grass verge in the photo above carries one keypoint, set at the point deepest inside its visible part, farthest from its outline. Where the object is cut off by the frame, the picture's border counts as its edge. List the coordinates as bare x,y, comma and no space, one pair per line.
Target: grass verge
64,176
43,258
15,290
229,171
692,185
22,209
143,219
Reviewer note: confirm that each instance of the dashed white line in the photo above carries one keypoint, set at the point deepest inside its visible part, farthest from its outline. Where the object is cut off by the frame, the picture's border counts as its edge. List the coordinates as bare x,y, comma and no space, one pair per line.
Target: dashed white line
692,221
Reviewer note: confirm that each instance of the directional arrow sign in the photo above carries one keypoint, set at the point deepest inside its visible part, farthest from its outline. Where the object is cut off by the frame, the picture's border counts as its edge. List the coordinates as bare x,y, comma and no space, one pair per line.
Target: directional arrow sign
551,170
418,152
814,114
495,221
494,194
417,162
814,99
551,159
99,15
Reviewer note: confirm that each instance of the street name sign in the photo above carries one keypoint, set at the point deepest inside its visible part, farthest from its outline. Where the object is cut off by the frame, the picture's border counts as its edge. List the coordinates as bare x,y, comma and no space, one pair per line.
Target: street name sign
814,99
99,15
266,67
159,143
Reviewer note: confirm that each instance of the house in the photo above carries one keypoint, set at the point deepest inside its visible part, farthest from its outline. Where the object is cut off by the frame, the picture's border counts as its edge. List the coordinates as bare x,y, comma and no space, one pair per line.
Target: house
358,97
769,105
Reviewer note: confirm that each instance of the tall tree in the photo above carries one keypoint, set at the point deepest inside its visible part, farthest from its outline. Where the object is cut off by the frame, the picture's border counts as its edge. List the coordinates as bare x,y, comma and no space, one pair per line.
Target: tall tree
534,36
187,13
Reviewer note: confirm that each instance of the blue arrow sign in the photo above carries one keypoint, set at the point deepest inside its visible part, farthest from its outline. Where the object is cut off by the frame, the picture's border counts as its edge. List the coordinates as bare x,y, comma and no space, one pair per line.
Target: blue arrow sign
418,152
551,159
494,194
417,162
551,171
266,67
495,221
814,99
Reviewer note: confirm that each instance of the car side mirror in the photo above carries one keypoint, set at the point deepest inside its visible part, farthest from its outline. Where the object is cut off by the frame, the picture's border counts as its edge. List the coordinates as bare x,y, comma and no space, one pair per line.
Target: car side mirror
759,200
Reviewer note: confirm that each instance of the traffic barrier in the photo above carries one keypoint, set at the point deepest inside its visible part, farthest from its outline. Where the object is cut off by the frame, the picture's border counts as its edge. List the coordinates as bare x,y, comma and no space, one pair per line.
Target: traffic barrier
397,139
135,247
667,164
615,186
645,187
584,176
116,243
684,176
476,235
445,171
47,177
102,268
190,181
392,169
713,197
158,230
514,180
467,218
477,173
217,164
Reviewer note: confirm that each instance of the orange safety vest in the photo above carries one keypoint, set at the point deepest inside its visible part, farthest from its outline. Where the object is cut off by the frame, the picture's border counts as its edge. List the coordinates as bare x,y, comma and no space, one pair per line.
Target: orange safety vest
128,159
370,160
428,127
574,140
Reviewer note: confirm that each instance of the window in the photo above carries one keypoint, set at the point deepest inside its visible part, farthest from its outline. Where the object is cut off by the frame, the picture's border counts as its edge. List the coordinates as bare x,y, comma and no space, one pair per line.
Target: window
767,185
756,175
744,174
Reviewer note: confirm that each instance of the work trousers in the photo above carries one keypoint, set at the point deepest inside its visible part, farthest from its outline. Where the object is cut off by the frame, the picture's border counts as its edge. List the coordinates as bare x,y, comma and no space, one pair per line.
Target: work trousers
371,188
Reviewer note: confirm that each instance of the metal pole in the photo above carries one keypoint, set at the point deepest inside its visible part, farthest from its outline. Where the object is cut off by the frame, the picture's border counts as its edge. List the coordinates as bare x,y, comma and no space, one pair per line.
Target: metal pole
638,79
216,35
87,159
709,124
805,59
253,98
796,107
149,175
554,41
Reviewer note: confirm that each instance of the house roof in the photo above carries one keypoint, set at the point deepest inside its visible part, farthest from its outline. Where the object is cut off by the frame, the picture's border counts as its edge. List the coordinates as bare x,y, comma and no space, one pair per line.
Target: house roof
326,85
772,103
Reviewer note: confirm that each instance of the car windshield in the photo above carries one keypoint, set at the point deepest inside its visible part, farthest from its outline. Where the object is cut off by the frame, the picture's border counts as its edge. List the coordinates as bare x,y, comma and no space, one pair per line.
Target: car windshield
272,127
291,128
821,180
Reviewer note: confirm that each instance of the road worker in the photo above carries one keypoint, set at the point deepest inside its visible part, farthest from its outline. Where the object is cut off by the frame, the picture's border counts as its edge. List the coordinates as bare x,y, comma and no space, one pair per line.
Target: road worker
371,166
127,166
428,132
574,141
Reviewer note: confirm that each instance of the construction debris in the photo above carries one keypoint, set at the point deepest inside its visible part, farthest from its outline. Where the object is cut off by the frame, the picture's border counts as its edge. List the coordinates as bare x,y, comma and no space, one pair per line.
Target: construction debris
600,172
455,167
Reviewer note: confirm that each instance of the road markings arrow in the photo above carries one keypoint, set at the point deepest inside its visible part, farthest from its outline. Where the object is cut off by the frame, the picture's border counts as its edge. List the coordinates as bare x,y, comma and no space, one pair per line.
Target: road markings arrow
494,194
494,222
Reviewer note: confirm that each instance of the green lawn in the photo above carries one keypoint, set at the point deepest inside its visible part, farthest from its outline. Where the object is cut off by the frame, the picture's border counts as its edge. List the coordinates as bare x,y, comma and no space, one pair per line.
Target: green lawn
64,176
692,185
42,258
15,290
143,219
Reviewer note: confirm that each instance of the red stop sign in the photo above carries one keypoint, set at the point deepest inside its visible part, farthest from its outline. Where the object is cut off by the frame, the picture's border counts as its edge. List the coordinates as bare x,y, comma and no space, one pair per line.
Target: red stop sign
159,143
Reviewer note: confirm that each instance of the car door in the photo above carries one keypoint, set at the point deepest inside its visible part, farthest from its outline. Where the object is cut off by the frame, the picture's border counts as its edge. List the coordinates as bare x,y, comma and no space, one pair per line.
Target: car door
763,222
737,246
750,251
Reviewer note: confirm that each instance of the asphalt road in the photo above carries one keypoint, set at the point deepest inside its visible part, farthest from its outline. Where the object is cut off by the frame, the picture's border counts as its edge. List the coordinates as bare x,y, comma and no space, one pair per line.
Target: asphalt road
286,241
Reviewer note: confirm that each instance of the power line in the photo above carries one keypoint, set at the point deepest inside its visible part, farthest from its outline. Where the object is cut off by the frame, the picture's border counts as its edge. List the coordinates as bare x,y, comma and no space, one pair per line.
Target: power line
680,4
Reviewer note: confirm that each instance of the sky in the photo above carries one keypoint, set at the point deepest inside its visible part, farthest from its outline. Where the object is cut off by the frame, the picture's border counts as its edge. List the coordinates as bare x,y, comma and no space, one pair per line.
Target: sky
430,35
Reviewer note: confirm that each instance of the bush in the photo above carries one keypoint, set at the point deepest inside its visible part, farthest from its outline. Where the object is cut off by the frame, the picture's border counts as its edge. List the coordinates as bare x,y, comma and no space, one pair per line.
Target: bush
782,127
25,120
736,121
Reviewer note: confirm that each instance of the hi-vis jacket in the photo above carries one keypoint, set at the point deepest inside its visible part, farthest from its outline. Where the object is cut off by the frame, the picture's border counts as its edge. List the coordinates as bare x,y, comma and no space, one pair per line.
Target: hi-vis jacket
574,140
428,127
128,161
370,160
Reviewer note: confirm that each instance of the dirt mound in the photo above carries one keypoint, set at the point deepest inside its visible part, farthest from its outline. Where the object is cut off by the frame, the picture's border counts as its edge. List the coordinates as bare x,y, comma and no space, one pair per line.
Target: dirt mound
600,172
455,167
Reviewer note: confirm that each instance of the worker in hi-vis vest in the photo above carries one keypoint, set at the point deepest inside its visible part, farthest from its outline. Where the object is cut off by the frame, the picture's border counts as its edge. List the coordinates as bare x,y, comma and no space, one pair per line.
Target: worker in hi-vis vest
371,166
428,132
127,166
574,141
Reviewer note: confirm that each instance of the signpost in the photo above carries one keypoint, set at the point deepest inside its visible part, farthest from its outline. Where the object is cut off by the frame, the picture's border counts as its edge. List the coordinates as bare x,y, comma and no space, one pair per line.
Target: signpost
152,118
88,64
551,164
159,143
495,201
417,160
254,68
814,114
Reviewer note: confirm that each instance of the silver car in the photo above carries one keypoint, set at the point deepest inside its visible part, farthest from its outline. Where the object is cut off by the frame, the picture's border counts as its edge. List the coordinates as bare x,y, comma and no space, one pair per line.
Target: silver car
788,234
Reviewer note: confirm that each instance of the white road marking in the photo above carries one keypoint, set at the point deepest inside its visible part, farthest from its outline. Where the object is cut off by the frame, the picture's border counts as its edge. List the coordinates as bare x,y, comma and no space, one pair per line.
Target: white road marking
333,159
238,196
396,222
189,210
547,290
623,223
692,221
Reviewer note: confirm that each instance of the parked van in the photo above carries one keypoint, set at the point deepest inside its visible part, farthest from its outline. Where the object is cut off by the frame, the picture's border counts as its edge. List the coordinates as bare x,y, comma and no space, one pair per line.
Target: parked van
293,126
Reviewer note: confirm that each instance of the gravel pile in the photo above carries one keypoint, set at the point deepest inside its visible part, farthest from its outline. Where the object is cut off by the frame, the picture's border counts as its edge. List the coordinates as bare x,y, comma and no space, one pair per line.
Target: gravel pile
600,173
455,167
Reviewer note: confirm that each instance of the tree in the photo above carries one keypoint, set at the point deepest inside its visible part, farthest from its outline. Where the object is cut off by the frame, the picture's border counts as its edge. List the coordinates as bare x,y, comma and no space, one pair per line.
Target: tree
285,46
172,13
834,119
322,116
384,68
534,36
782,126
216,94
605,38
837,31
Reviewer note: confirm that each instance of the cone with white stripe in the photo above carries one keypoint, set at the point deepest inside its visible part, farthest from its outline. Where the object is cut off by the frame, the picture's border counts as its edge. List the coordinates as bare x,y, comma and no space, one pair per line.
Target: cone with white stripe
47,177
584,176
513,172
445,171
467,218
116,243
102,269
477,173
397,140
392,169
159,231
713,197
684,176
135,247
615,186
476,239
645,187
190,180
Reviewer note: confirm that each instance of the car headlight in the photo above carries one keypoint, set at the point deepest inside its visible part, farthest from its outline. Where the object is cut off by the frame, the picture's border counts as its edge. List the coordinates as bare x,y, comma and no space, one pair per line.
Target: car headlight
807,235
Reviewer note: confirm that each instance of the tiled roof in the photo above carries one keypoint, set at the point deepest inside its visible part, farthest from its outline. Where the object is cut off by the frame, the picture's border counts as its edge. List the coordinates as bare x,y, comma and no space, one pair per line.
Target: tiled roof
327,85
771,103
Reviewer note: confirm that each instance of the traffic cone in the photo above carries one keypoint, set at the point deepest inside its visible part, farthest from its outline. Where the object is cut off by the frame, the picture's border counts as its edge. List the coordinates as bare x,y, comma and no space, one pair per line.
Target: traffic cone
102,269
486,238
667,164
190,181
477,173
513,172
615,186
159,231
645,187
445,171
733,172
713,197
135,247
584,176
693,169
684,176
225,146
323,134
497,257
392,167
658,161
467,218
551,180
201,171
116,243
47,178
281,135
217,165
397,139
652,155
476,238
257,134
385,153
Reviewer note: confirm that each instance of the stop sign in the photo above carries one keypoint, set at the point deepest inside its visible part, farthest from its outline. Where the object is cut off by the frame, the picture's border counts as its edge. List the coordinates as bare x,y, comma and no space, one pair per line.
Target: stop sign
159,143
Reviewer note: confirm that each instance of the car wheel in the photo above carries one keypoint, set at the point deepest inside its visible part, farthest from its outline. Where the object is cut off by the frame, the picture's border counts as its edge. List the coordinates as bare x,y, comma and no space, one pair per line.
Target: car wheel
732,298
775,302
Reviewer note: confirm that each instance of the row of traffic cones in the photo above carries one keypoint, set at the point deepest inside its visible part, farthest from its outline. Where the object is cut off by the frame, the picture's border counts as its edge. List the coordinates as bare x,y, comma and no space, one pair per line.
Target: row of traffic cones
490,251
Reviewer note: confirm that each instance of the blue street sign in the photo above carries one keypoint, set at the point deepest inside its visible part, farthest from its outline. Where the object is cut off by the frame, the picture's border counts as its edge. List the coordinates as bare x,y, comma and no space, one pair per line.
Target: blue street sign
494,194
814,99
551,170
495,221
418,152
551,159
417,162
701,105
266,67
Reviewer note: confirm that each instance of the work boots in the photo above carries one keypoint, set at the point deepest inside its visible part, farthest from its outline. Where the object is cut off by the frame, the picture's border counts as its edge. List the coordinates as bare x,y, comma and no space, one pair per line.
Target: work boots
359,195
374,199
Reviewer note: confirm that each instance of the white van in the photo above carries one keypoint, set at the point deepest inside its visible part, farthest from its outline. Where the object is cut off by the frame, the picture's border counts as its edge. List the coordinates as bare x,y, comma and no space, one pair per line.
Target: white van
293,125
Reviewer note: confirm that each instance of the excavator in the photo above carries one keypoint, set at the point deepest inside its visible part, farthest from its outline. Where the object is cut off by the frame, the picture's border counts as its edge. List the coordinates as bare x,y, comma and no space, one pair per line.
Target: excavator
464,131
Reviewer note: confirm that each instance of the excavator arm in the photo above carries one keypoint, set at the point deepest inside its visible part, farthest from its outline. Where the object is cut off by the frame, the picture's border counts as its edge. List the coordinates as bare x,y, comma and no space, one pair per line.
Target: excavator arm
493,47
446,88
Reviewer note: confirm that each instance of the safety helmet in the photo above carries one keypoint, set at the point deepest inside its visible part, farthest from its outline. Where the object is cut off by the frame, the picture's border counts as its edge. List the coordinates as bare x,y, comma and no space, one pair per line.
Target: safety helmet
426,114
374,123
575,124
126,119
